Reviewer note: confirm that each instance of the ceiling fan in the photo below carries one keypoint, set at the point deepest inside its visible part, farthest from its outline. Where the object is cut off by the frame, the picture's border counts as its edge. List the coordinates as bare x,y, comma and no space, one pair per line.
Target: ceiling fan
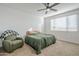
48,7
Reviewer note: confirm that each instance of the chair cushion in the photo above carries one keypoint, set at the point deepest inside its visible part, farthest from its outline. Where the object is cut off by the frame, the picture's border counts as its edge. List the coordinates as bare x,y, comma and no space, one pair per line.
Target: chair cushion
10,46
10,37
16,44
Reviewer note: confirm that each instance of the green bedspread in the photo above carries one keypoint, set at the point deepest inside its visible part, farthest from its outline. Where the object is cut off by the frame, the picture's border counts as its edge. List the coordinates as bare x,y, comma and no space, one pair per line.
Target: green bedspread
40,41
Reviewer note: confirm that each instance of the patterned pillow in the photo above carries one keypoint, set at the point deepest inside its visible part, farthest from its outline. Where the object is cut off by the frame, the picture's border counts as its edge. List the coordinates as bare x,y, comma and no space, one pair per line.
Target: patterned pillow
7,33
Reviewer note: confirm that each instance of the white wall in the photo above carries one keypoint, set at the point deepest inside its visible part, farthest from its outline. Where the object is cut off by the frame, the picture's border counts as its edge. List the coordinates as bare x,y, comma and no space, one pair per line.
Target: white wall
63,35
17,20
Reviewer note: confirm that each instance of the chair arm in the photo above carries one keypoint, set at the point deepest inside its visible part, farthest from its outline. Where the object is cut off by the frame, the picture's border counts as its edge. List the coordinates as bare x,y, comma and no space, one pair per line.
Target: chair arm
7,45
19,38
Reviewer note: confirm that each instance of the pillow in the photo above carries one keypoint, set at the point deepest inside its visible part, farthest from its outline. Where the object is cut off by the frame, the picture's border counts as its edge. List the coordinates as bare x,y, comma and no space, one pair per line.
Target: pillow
7,33
28,33
10,37
34,33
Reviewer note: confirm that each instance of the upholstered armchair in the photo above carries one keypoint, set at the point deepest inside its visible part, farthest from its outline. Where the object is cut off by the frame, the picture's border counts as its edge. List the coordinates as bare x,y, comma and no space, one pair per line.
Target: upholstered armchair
11,42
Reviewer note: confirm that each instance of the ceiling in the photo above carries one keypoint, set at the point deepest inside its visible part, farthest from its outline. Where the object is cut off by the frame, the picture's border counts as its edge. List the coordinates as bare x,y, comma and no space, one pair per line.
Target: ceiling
32,8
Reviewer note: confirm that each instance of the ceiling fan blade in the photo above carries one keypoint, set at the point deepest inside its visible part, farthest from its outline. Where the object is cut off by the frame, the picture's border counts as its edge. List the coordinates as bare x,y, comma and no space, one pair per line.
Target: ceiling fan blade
44,4
41,9
54,5
47,4
46,12
53,9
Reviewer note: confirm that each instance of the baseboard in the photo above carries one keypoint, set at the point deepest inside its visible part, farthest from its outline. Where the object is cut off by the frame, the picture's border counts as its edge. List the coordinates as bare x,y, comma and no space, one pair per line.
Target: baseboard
69,42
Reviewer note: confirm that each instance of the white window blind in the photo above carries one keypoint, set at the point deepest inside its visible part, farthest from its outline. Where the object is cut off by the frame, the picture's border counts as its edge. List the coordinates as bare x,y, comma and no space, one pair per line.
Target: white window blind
60,23
52,25
67,23
72,23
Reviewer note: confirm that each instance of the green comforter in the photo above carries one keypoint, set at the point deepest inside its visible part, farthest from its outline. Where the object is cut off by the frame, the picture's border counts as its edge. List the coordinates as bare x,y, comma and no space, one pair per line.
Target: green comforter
40,41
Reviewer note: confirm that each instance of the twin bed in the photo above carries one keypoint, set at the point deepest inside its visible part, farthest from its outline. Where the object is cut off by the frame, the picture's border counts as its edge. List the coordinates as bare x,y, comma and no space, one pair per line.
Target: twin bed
39,40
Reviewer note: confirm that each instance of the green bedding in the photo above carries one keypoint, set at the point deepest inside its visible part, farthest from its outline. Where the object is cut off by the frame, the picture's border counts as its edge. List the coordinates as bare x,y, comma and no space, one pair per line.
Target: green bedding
40,41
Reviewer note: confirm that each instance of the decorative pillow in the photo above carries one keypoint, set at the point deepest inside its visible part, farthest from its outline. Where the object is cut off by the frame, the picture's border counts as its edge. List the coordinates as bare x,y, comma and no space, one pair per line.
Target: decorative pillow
7,33
32,32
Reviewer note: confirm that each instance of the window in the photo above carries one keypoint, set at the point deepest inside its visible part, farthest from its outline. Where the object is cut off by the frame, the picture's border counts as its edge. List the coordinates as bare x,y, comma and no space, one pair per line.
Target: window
52,25
60,24
67,23
72,23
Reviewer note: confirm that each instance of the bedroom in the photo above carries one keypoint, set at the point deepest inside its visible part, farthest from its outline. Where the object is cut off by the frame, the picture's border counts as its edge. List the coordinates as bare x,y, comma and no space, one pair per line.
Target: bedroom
24,17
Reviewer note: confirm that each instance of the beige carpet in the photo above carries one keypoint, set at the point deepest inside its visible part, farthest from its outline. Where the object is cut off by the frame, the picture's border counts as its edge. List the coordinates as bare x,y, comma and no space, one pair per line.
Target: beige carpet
60,48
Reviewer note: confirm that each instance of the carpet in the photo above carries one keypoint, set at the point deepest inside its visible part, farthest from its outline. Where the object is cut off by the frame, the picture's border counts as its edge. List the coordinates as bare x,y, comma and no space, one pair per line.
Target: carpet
60,48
